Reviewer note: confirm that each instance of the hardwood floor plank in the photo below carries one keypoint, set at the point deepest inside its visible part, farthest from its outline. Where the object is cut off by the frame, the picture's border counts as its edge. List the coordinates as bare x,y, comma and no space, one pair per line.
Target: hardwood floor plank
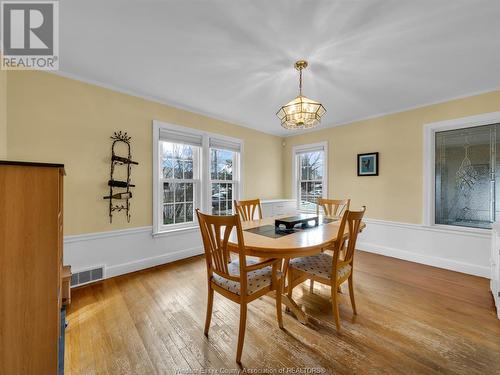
412,319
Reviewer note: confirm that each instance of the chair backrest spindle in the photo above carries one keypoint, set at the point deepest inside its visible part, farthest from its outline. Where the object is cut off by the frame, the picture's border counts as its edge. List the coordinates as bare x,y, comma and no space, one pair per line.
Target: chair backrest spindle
247,209
351,219
353,222
333,207
215,232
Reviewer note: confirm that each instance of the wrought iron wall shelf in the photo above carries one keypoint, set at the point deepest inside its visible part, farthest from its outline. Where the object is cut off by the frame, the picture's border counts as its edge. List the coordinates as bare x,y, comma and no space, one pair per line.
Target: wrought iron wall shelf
120,190
122,184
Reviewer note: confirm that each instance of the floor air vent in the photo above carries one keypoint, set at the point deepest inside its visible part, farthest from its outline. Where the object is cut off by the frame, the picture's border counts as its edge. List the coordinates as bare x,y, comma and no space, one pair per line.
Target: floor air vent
87,276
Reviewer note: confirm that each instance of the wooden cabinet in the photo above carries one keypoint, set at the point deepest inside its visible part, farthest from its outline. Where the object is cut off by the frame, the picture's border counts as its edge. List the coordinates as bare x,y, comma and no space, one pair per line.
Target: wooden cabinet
495,265
31,250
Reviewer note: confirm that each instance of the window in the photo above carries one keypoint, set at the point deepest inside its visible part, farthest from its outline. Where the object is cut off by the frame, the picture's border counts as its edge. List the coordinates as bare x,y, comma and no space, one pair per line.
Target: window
309,175
192,169
180,181
462,172
222,180
466,175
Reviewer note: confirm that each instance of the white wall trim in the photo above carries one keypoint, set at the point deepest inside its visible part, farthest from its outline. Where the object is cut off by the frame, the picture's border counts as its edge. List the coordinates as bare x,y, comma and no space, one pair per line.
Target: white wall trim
137,265
452,249
429,154
298,148
449,264
128,250
109,234
141,264
457,231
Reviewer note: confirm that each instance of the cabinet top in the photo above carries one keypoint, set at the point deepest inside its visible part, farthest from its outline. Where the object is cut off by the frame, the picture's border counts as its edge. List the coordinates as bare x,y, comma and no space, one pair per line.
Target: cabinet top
264,201
31,164
496,227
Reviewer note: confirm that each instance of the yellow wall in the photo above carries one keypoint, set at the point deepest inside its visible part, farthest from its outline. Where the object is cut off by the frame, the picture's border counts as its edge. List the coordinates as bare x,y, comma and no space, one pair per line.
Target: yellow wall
396,194
3,114
56,119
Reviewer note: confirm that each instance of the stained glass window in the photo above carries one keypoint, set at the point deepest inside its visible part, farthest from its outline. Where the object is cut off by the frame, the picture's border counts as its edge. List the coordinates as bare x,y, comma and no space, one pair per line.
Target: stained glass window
466,176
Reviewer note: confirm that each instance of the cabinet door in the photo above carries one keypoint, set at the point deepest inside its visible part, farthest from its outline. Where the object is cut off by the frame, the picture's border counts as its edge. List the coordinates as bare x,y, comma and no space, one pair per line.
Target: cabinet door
267,209
290,207
279,209
495,262
284,208
29,270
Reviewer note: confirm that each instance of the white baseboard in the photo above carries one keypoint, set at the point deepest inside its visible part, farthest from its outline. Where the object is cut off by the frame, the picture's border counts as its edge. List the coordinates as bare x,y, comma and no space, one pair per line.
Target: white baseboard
129,250
448,264
456,250
497,304
137,265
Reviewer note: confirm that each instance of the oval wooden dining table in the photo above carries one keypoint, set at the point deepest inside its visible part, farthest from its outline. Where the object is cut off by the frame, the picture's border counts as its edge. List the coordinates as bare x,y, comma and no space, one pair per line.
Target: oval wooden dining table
301,243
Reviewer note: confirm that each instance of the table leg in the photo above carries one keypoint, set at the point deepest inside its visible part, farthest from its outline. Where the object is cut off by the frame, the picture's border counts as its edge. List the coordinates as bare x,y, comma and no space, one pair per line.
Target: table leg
294,308
289,302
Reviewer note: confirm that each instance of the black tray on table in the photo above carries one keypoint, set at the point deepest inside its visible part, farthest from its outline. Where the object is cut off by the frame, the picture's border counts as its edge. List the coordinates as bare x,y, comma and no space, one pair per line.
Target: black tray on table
302,219
272,231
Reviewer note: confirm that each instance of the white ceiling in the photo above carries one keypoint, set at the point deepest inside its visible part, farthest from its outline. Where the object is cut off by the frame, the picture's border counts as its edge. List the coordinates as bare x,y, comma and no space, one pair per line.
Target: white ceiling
232,59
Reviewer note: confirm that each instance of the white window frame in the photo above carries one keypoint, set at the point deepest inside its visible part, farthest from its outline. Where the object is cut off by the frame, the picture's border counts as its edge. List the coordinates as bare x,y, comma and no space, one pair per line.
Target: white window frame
196,181
204,198
429,176
295,181
235,181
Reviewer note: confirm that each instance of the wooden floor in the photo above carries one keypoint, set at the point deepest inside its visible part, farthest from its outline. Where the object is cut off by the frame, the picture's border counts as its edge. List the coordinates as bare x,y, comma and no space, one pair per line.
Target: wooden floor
412,319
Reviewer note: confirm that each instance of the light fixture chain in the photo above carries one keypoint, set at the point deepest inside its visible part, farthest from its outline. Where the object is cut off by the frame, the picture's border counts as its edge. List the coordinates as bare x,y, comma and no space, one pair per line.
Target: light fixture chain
300,81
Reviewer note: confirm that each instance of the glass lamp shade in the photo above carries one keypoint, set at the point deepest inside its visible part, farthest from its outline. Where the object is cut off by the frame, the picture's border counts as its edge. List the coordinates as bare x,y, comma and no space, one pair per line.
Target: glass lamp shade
301,113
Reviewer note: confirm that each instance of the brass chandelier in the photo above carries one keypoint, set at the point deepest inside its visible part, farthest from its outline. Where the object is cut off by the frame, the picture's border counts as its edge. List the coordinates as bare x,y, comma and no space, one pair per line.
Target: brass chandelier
301,112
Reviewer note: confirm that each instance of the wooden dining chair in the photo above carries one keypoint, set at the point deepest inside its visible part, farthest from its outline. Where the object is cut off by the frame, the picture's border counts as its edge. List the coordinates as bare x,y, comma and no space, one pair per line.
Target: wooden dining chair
329,269
242,280
332,207
246,209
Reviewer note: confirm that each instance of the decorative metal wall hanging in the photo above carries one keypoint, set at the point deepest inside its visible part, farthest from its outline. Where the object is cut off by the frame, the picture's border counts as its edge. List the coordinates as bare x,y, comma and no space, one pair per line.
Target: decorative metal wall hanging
120,190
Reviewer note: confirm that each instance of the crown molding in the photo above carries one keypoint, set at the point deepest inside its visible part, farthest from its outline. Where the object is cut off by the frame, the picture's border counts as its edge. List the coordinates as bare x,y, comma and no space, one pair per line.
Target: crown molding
158,100
389,113
234,122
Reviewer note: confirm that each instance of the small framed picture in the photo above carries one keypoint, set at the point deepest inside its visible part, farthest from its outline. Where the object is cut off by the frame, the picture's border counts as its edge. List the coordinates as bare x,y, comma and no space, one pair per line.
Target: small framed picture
368,164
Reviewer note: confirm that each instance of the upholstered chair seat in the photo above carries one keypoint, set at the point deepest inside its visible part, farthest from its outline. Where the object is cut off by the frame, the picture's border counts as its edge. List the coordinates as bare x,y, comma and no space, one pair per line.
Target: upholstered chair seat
320,265
256,280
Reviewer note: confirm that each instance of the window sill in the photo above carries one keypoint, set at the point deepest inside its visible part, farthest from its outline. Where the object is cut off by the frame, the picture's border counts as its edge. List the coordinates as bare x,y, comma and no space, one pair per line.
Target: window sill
167,232
458,228
302,211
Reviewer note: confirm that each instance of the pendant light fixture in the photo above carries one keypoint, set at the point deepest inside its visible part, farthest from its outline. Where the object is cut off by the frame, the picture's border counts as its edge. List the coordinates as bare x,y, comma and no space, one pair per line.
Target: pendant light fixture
301,112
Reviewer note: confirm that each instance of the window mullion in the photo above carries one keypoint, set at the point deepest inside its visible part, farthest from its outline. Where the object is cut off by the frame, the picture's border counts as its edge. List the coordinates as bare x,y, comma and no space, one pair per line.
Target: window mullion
205,189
